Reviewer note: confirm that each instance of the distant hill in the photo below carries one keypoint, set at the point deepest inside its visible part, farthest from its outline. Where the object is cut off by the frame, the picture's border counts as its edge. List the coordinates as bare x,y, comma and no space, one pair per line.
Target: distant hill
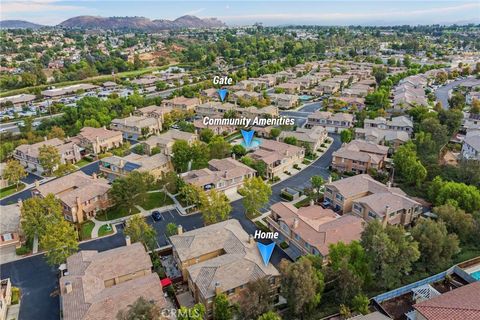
139,23
19,24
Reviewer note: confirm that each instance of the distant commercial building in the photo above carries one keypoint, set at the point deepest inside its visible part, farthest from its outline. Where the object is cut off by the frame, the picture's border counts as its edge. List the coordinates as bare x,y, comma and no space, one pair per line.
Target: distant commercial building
18,100
69,90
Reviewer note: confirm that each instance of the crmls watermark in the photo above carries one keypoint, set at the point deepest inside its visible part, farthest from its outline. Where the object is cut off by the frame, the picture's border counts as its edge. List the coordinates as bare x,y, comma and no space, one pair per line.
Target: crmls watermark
185,313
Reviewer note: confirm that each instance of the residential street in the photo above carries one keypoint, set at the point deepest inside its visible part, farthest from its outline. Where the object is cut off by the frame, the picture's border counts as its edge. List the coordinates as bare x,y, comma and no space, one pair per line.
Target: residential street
442,92
38,281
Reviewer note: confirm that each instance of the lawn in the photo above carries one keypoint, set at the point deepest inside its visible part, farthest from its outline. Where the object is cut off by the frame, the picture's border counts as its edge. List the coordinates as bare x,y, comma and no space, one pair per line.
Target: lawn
156,200
104,230
82,163
11,190
115,213
86,230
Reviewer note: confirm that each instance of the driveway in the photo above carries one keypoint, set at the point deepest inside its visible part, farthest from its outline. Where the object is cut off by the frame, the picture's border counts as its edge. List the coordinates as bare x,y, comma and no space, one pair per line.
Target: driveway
38,281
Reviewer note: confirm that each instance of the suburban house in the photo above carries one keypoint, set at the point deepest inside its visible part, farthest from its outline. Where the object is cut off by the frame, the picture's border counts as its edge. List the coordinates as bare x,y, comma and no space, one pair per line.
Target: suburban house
312,229
165,140
283,100
98,140
400,123
9,230
471,145
252,112
384,137
332,122
217,129
359,156
28,154
370,199
313,136
134,127
153,112
97,285
115,166
81,195
460,303
289,87
181,103
220,258
278,156
215,108
226,175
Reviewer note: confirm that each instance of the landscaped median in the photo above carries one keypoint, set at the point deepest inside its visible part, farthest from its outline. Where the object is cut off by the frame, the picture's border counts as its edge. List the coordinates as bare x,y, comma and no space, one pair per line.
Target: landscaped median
7,191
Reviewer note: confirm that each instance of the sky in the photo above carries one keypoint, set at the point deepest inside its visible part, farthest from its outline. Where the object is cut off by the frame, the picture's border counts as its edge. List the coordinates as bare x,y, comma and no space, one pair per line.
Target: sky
268,12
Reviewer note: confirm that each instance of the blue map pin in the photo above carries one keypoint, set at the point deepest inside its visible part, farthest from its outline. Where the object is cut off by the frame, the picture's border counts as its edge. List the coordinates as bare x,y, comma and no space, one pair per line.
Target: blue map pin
247,136
222,93
266,251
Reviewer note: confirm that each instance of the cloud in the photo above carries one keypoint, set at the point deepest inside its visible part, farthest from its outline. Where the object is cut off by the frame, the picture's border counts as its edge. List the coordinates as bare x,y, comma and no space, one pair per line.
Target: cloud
345,16
194,12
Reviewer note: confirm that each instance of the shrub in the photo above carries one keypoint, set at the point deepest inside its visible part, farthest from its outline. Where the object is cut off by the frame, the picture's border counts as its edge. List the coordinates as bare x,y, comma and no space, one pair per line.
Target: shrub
286,196
295,166
22,251
284,245
15,295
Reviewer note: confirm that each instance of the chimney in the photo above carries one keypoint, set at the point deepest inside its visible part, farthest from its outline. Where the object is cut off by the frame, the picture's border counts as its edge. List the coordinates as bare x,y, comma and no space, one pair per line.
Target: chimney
218,288
179,229
128,241
94,175
45,138
295,223
121,163
104,128
68,287
19,203
389,184
385,218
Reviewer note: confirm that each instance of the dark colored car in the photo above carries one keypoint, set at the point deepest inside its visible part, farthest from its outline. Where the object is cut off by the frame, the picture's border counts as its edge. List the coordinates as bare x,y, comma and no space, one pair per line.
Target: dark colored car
157,216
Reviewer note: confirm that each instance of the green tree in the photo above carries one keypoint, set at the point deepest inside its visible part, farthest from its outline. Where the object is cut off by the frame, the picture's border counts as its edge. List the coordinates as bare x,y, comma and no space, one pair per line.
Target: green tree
215,206
219,148
239,150
270,315
139,230
390,251
256,299
182,154
221,308
56,132
37,213
346,136
256,193
49,158
14,172
360,304
317,183
197,312
141,309
435,244
206,135
302,286
200,152
275,132
457,221
59,241
407,164
172,229
290,140
155,150
128,191
191,194
458,194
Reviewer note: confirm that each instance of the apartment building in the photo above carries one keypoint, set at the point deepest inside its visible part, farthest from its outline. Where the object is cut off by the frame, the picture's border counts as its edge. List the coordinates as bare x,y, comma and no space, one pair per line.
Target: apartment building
400,123
313,229
225,175
313,136
359,156
284,101
97,285
332,122
471,145
181,103
81,195
221,258
252,112
370,199
215,108
166,140
134,127
278,156
28,154
153,112
115,166
98,140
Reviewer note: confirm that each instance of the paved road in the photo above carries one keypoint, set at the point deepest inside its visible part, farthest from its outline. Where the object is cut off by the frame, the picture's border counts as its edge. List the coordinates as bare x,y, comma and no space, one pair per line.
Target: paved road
442,93
38,281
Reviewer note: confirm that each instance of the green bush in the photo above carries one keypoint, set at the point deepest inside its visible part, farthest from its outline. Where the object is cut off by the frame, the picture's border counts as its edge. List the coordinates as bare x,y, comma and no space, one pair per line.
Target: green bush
22,251
15,295
306,162
286,196
295,166
284,245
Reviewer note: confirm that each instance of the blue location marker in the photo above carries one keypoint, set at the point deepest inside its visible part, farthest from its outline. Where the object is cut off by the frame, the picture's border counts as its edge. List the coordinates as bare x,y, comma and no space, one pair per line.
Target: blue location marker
266,251
222,93
247,136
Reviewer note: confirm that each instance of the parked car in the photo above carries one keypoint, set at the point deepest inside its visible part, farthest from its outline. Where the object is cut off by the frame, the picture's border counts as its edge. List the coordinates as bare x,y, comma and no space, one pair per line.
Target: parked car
157,216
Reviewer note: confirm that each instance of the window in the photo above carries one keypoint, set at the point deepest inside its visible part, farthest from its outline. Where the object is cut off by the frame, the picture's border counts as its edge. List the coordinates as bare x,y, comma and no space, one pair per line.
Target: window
297,237
307,246
230,292
338,196
372,215
357,207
